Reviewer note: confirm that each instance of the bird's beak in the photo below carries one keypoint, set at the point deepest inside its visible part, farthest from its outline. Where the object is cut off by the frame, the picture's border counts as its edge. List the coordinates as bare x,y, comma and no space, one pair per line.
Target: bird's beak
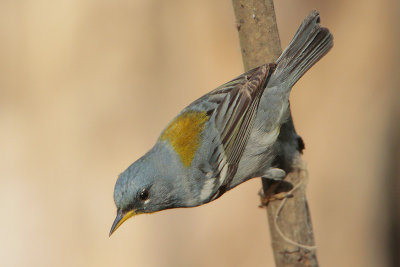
120,219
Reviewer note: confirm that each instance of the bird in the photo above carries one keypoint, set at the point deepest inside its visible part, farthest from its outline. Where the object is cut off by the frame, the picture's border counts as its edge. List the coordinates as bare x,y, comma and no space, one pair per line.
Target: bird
226,137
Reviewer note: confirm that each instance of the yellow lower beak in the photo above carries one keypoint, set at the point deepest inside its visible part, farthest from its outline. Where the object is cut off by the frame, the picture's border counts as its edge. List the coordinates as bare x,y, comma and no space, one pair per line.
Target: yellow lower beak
120,219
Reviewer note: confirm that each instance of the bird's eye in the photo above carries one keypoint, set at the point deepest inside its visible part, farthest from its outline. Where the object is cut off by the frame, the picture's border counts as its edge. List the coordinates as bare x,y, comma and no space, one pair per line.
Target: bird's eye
144,195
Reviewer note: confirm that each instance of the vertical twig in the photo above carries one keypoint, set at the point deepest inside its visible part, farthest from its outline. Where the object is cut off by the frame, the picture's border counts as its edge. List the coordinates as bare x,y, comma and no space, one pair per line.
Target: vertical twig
289,219
391,188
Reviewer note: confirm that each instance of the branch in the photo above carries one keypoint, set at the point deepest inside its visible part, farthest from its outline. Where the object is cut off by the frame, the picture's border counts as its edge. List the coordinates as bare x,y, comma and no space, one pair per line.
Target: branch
289,219
258,32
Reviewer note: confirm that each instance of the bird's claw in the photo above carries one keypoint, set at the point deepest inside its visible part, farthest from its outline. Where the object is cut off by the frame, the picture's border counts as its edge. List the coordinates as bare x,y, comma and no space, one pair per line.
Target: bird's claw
265,199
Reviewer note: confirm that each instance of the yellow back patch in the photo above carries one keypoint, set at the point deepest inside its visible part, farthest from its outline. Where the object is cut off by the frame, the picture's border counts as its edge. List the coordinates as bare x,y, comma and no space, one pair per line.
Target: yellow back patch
183,133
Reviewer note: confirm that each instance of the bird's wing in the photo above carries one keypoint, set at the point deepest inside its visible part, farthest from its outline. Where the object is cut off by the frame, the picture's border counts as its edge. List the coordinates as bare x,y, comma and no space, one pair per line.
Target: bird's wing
237,102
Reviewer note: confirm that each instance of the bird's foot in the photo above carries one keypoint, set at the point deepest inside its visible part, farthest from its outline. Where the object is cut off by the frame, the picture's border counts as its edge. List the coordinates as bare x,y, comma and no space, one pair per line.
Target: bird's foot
265,199
277,189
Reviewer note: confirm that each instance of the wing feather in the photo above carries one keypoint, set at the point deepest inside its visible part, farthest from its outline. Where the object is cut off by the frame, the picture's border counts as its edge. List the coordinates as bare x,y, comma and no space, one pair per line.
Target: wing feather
234,116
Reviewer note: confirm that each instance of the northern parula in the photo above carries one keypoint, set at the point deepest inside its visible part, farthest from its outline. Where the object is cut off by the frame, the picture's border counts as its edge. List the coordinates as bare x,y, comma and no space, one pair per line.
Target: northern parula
224,138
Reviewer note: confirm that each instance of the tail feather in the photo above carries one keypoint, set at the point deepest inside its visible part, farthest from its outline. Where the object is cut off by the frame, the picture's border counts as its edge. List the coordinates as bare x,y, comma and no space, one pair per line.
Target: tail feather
310,43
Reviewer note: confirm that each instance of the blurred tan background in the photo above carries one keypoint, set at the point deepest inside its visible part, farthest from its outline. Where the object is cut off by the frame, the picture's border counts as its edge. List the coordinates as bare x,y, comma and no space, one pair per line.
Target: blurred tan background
86,86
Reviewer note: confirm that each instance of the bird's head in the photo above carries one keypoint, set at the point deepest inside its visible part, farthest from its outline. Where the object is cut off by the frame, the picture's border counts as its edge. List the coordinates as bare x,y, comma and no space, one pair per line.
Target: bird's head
147,186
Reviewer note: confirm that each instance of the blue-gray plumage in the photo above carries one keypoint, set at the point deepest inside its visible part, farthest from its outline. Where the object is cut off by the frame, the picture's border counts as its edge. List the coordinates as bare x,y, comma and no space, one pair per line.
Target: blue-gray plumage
224,138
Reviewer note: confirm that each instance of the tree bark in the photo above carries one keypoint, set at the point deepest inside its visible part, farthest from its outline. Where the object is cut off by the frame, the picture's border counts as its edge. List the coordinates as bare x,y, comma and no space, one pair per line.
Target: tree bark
289,219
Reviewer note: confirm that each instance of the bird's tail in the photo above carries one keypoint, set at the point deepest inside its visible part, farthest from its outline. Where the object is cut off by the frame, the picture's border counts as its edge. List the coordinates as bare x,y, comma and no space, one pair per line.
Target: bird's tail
310,43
